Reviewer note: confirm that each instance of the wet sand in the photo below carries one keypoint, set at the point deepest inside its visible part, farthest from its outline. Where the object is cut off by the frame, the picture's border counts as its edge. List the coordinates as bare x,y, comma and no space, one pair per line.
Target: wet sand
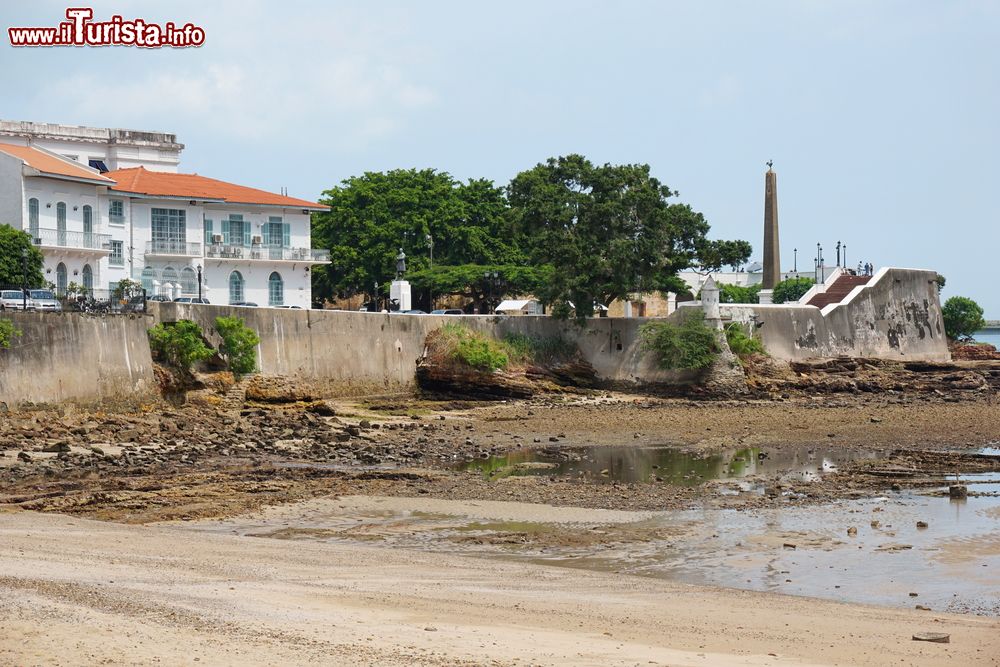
115,594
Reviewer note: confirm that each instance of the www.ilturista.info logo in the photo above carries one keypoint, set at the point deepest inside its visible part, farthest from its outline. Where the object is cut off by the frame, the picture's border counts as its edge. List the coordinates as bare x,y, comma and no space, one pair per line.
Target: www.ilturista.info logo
79,30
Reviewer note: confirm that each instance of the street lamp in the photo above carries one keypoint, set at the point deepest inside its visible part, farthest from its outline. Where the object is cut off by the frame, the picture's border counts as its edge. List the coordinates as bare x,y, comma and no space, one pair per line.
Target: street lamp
838,254
430,288
24,278
199,283
795,260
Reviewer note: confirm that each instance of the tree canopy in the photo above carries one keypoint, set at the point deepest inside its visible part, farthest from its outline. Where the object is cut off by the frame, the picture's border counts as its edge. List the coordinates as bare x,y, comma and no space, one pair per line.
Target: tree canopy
792,289
566,231
13,242
962,317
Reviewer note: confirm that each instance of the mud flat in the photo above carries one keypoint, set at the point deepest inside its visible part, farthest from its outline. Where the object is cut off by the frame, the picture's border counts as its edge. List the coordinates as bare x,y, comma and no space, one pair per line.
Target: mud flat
76,591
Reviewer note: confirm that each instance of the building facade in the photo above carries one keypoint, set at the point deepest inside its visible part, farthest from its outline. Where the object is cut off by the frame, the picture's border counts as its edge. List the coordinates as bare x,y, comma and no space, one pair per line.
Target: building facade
105,205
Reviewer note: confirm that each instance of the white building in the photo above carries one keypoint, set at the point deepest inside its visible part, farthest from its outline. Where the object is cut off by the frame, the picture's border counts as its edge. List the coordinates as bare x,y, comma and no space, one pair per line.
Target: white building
140,219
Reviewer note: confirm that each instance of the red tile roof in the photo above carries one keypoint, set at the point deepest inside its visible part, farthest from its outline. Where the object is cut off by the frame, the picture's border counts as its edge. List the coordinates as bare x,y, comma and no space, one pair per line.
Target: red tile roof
192,186
50,164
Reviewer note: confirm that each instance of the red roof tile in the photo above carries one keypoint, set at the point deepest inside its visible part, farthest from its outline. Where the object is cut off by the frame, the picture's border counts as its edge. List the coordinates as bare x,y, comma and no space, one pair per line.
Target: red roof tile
192,186
51,164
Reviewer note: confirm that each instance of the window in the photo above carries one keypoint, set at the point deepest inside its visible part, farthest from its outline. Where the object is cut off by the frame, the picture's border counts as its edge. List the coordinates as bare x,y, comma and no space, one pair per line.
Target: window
147,279
116,212
208,232
275,233
98,164
189,283
169,230
236,231
275,290
33,217
235,287
88,227
117,257
88,278
61,224
61,279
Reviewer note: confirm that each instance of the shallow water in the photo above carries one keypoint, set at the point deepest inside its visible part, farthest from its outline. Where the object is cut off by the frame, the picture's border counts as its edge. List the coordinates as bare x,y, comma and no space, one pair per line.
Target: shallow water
952,565
665,464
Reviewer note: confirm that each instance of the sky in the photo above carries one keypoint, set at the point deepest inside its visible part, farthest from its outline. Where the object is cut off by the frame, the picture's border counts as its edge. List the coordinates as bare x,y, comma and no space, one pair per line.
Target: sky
882,118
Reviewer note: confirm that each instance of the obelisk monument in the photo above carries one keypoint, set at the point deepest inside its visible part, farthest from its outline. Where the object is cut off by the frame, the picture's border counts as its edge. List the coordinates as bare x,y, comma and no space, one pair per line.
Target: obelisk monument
772,252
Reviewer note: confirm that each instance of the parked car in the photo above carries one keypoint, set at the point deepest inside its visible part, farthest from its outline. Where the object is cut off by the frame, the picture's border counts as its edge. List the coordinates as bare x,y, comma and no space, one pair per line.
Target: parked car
290,307
162,298
190,299
412,311
13,299
44,300
448,311
245,304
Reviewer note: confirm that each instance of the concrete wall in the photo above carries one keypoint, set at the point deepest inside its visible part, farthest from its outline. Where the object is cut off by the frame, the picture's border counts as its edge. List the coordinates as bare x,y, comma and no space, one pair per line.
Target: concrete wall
350,352
896,316
76,357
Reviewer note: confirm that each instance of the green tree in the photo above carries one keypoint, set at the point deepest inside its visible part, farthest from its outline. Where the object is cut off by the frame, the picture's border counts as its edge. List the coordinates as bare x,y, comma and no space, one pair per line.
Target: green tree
13,242
940,280
606,231
179,344
713,255
737,294
7,333
689,344
374,215
239,344
962,317
792,289
470,281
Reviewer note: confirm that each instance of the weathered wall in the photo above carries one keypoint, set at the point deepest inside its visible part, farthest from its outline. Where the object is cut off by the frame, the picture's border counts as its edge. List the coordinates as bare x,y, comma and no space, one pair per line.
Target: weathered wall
76,357
350,352
896,316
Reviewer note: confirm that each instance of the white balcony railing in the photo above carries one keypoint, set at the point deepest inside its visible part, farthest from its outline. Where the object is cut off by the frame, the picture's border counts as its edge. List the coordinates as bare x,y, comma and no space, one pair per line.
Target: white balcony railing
174,248
266,253
60,238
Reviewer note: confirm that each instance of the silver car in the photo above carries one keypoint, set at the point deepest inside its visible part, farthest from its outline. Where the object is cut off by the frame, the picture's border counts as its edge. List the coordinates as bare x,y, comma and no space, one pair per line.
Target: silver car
13,299
45,301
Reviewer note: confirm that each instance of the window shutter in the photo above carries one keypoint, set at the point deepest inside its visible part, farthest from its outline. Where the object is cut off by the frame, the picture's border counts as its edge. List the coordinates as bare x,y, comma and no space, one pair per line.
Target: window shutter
285,235
225,231
246,233
266,234
208,232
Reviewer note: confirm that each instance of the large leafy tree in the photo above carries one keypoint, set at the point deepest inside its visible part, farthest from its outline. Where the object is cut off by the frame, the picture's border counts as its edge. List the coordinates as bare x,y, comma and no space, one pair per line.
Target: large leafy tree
374,215
962,317
713,255
792,289
13,243
606,231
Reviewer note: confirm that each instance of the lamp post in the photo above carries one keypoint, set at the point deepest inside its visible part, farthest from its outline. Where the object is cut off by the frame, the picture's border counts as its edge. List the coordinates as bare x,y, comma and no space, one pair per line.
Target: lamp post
838,254
24,278
845,256
375,295
199,283
430,288
795,260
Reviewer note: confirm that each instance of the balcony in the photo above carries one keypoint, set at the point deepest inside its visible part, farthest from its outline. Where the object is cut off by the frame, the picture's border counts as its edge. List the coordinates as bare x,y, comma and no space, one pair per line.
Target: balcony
87,242
173,248
267,253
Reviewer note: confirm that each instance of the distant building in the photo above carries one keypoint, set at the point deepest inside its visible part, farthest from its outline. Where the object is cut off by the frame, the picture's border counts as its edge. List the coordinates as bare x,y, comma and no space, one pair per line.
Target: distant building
519,307
104,205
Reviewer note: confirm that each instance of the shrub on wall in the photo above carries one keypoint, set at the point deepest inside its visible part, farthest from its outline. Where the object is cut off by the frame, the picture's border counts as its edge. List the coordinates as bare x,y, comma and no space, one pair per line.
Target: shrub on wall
792,289
239,344
7,333
690,344
179,344
740,343
962,317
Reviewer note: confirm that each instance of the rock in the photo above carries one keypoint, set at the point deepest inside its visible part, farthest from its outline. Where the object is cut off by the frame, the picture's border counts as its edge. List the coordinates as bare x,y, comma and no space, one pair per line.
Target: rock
56,447
876,524
852,531
875,420
922,524
913,595
24,456
788,545
921,607
958,491
430,628
937,637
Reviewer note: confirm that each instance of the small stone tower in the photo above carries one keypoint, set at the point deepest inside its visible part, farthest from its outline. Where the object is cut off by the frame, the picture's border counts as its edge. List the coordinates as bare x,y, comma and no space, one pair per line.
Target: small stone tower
710,303
772,252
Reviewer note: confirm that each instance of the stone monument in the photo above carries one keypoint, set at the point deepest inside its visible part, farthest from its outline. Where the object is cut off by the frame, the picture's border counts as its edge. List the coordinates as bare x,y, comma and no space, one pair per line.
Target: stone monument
399,289
772,253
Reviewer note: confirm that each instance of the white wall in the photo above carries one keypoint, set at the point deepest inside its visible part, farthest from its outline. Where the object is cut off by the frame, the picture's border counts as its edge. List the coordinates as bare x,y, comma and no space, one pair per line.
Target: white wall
13,204
297,282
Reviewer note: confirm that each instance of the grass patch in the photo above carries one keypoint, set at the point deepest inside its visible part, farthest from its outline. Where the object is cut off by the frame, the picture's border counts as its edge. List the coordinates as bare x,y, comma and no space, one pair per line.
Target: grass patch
740,343
461,345
686,345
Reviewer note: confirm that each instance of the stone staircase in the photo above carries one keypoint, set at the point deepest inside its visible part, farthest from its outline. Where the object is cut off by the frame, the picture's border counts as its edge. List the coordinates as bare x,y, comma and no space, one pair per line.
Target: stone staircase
233,399
836,292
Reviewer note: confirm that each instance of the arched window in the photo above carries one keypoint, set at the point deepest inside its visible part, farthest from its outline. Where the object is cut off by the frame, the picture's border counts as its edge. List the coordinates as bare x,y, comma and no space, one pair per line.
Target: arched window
235,287
33,217
61,223
189,283
88,277
275,290
88,227
61,279
147,278
170,282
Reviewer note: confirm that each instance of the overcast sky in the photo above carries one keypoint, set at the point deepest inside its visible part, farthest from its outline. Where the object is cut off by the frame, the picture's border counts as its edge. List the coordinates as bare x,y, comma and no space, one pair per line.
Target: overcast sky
882,118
